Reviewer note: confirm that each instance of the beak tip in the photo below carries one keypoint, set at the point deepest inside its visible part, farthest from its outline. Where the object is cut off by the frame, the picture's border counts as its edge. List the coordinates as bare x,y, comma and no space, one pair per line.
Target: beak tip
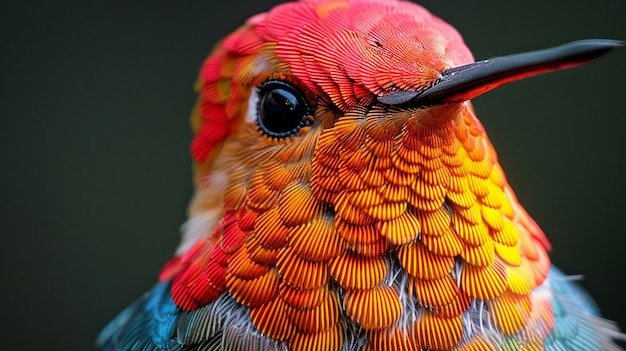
596,47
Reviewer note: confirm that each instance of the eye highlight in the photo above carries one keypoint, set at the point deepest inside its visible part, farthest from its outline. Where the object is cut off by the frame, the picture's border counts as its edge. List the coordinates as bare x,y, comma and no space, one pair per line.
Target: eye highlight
282,109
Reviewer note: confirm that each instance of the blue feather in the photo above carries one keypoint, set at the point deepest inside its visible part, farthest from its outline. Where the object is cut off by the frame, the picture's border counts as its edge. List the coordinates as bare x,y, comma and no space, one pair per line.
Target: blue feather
577,325
147,324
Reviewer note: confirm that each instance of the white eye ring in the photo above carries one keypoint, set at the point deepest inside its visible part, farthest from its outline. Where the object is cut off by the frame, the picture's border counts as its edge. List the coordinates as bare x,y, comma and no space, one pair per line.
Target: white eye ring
253,103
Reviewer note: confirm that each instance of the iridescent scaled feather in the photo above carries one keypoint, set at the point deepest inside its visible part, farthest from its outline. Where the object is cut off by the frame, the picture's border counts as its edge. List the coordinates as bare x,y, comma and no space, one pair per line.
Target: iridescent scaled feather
376,226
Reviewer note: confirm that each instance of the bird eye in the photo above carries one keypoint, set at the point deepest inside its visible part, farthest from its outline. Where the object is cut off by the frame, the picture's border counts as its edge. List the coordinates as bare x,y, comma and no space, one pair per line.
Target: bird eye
282,110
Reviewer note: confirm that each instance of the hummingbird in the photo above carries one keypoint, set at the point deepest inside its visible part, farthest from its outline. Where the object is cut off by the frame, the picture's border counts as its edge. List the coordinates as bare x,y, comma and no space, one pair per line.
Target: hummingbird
347,197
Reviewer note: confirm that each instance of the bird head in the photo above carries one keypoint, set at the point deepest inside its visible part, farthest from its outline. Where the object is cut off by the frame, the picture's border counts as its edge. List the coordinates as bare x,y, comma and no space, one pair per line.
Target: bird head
343,179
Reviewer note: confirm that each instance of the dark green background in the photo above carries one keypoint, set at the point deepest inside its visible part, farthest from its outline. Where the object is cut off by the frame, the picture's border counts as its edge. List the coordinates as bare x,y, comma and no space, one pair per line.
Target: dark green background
95,173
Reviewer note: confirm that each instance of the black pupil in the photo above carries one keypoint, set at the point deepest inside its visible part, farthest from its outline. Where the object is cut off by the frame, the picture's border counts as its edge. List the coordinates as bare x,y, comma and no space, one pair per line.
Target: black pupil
283,110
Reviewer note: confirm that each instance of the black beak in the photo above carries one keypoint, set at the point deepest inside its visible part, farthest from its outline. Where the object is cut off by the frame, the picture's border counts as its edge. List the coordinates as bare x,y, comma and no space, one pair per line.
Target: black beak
469,81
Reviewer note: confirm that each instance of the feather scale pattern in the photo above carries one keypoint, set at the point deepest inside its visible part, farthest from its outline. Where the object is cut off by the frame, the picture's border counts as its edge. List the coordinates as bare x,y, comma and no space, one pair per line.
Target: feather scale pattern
376,225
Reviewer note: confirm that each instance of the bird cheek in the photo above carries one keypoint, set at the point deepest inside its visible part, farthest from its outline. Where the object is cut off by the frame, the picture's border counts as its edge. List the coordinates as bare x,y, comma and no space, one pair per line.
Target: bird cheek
438,115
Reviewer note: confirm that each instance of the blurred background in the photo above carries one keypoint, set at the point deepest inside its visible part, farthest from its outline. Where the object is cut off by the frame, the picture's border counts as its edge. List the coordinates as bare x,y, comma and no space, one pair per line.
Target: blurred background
96,173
